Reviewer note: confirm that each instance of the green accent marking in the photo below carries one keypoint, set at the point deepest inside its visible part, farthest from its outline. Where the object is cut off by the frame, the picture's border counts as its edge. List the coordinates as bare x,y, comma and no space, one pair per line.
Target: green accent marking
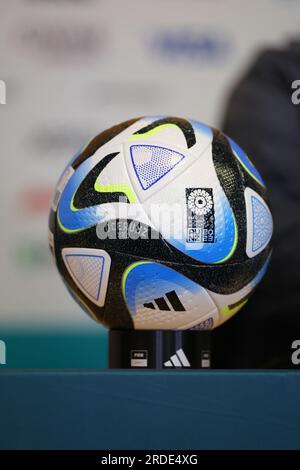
124,188
127,271
247,169
65,229
233,246
115,188
151,132
227,311
73,208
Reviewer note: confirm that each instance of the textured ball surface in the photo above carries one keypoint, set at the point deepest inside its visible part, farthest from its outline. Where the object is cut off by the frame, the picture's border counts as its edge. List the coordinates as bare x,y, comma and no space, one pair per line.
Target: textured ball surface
161,223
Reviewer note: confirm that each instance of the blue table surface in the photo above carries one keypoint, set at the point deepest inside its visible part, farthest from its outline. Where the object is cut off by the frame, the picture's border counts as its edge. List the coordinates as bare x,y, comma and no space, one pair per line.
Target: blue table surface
149,410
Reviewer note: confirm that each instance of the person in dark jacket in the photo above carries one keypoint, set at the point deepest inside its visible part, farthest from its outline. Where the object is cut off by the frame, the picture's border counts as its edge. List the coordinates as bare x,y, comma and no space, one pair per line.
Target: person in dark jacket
262,118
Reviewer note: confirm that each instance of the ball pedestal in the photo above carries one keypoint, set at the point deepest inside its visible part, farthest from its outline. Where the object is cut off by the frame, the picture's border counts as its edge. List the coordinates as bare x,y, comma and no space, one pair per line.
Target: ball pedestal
159,349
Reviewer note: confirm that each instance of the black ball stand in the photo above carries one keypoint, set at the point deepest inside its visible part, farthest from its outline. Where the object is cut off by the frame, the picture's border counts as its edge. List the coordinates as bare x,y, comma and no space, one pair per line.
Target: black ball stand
159,349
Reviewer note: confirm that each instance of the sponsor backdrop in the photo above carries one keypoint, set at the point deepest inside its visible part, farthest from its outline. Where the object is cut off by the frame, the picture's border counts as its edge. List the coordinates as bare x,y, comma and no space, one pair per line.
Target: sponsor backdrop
71,69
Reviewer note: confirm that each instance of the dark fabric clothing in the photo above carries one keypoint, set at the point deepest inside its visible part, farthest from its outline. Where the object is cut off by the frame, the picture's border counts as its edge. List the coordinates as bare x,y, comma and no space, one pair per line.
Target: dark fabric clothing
261,117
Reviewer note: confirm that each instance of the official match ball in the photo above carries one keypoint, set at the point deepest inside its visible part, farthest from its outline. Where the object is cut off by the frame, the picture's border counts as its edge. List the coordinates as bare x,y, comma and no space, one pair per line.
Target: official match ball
161,223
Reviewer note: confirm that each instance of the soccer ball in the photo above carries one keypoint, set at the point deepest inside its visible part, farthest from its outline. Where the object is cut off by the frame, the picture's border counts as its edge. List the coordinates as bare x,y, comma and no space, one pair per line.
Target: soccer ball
161,223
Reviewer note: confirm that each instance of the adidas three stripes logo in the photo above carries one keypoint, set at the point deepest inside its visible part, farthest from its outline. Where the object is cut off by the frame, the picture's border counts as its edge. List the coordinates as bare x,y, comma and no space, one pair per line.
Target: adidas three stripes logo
179,359
171,301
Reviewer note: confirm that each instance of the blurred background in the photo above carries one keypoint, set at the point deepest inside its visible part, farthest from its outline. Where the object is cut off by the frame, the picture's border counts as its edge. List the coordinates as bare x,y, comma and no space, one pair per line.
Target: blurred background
73,68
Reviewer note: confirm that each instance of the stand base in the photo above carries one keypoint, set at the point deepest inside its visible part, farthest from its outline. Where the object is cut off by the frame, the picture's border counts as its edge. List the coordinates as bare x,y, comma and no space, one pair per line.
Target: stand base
159,349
